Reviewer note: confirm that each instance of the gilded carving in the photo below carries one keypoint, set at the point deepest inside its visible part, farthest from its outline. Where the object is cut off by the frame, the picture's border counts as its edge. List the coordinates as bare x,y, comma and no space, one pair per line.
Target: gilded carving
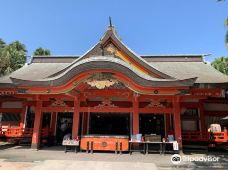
101,80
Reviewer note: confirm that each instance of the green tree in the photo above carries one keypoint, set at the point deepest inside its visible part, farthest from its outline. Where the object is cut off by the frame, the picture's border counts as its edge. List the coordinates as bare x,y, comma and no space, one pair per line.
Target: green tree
12,57
226,25
41,52
2,44
3,58
17,53
221,64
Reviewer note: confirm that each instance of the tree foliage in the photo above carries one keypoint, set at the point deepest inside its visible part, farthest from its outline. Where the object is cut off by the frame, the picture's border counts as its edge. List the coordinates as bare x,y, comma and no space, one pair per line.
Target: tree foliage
221,64
41,52
12,56
226,36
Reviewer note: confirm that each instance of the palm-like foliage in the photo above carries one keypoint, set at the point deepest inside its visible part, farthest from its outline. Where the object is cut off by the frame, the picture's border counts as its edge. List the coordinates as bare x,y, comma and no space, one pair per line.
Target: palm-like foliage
2,44
17,52
41,52
226,25
3,59
12,56
221,64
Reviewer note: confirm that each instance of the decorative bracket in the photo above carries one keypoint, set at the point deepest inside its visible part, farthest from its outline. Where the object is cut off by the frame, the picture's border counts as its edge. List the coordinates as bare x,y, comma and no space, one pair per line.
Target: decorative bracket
106,103
155,103
58,102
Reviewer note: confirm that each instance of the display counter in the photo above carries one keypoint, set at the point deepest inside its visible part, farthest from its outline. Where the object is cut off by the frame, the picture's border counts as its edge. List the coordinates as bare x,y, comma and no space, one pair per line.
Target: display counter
104,143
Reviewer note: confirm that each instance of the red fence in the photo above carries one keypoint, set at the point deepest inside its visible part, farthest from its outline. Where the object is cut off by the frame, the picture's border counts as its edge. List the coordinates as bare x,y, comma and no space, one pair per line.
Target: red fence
218,137
195,136
22,132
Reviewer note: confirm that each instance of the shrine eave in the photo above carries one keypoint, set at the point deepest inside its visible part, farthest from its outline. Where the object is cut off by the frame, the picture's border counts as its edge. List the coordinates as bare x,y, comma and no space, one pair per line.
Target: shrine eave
110,64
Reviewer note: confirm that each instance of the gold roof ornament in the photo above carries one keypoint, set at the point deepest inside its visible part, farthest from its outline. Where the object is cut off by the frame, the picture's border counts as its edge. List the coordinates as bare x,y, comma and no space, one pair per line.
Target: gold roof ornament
101,80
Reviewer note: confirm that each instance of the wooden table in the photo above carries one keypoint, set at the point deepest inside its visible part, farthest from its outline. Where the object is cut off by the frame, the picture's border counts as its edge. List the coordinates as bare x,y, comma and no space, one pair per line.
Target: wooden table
137,150
71,144
147,143
162,145
104,143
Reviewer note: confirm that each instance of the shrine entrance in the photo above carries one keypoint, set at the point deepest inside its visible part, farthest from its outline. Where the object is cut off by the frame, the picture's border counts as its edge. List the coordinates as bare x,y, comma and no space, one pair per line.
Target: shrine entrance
109,123
64,125
152,124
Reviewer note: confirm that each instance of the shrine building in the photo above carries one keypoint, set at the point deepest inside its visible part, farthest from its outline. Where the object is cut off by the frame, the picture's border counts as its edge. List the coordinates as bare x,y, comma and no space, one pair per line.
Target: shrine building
111,90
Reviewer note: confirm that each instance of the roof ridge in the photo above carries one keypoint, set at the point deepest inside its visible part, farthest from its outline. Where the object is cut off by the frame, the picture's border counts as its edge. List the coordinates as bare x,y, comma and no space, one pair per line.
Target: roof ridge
173,55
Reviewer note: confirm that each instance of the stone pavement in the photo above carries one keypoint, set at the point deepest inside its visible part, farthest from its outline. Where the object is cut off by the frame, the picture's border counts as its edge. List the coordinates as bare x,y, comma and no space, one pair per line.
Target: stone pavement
76,165
24,158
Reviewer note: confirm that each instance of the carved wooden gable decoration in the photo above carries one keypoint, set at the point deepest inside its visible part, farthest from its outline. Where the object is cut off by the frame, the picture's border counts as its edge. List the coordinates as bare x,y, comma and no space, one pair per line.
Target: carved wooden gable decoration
110,45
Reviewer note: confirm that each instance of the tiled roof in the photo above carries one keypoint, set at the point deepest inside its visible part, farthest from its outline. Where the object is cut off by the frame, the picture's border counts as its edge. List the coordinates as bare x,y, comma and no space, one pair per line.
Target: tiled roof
101,62
43,68
180,70
54,59
33,71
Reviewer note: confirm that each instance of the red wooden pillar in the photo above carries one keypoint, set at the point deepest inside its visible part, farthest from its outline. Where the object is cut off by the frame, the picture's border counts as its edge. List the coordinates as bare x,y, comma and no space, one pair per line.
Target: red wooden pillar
135,115
75,126
53,123
177,120
202,117
23,113
37,126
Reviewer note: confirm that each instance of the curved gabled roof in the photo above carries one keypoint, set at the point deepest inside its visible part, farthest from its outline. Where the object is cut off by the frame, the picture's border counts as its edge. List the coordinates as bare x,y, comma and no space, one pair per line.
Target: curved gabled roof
172,70
110,34
103,63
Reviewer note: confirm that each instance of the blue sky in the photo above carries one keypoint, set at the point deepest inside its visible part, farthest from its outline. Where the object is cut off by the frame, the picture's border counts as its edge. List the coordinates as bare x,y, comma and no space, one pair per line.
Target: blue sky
69,27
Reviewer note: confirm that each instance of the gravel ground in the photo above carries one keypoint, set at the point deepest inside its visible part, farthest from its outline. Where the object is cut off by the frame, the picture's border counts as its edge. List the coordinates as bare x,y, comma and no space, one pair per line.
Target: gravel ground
54,158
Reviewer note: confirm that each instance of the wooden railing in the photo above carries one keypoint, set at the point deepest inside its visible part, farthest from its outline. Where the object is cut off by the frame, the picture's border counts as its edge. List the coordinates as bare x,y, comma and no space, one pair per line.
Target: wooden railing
18,132
195,136
45,132
218,137
22,132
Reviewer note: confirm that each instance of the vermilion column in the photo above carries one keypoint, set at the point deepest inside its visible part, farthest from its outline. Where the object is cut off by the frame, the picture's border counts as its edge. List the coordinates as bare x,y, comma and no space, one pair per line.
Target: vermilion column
135,115
37,126
75,126
22,120
177,120
202,117
53,122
